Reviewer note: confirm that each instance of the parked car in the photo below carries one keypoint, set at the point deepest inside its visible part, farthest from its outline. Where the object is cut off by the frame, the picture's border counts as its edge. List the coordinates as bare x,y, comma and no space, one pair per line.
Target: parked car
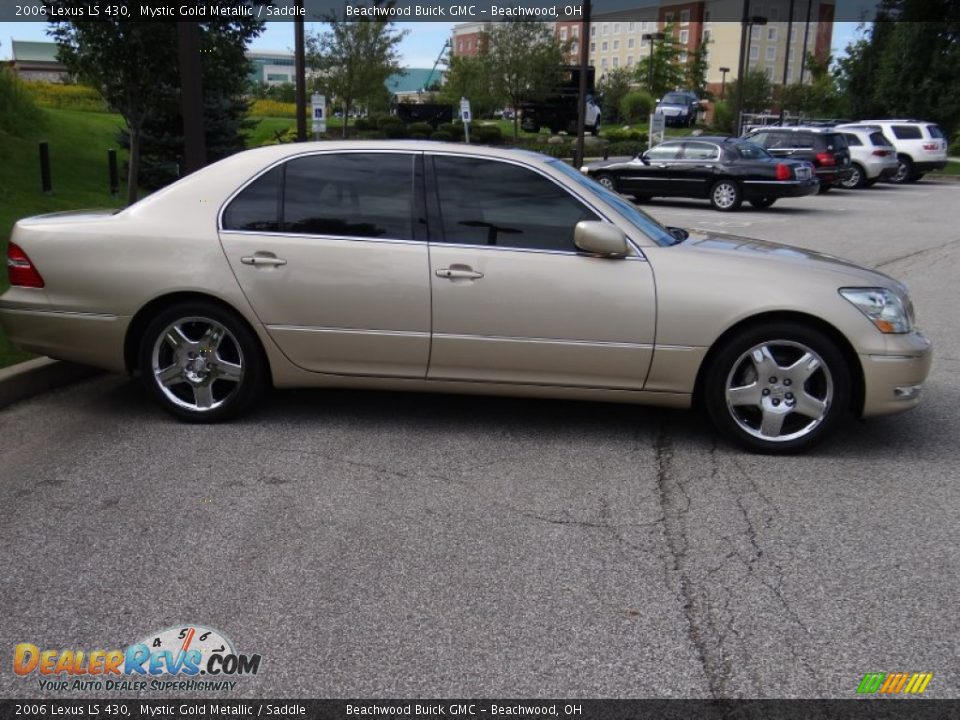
921,146
429,266
726,171
679,108
825,148
872,157
559,110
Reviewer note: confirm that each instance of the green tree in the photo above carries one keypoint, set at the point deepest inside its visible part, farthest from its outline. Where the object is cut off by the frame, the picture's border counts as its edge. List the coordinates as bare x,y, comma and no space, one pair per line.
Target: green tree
526,61
612,89
353,60
695,71
472,78
662,71
757,91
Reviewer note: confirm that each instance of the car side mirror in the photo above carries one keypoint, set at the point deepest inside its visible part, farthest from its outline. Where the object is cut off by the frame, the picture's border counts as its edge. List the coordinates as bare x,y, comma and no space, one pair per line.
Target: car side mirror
642,157
600,238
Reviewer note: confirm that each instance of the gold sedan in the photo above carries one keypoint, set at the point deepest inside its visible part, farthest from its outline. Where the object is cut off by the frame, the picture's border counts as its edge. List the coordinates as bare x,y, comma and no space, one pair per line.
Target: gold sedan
424,266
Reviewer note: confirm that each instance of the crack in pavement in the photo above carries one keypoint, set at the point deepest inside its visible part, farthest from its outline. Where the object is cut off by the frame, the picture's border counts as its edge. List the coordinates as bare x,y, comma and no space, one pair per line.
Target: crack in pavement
916,253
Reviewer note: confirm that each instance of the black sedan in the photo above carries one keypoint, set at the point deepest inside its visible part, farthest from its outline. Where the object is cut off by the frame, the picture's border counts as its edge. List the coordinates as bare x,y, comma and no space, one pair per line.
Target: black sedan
726,171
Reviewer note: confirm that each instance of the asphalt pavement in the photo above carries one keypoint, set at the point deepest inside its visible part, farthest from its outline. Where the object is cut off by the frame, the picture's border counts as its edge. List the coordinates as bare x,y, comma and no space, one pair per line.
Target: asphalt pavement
384,545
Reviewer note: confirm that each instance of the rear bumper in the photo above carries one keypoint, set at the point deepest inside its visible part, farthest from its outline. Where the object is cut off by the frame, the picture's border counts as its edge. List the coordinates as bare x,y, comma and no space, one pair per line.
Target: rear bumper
929,165
893,381
779,188
833,175
86,338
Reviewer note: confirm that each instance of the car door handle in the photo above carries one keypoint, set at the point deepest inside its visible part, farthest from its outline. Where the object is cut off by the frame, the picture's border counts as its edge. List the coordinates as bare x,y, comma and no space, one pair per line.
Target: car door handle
662,165
454,273
263,260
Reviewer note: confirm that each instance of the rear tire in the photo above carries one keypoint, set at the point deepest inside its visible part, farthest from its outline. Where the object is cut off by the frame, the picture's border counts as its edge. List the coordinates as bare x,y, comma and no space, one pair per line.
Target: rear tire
725,196
777,388
857,178
904,172
202,362
761,203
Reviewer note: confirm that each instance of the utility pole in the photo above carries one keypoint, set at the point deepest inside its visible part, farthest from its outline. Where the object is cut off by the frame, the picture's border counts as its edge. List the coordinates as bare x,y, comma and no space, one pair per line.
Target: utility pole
738,110
584,47
191,97
651,37
301,71
806,36
723,82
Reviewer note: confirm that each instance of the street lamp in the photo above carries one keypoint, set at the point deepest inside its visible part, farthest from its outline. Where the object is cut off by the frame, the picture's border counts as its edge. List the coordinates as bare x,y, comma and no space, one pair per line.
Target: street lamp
652,37
723,81
746,33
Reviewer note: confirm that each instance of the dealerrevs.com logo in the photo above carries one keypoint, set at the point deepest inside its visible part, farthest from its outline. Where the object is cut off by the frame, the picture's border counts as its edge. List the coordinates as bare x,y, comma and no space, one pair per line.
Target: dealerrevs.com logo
895,683
189,657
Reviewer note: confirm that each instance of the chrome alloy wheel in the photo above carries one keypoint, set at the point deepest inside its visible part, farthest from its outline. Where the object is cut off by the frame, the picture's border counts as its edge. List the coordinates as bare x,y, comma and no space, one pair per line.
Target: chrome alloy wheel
779,391
724,195
197,363
854,179
607,182
903,172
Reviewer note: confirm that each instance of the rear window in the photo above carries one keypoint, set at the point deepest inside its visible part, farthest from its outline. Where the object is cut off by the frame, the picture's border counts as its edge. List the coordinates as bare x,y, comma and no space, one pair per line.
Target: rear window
878,139
751,151
852,140
836,141
907,132
934,131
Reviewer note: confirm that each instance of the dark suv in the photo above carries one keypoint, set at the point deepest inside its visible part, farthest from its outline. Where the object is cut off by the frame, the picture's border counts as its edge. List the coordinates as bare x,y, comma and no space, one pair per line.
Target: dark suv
826,148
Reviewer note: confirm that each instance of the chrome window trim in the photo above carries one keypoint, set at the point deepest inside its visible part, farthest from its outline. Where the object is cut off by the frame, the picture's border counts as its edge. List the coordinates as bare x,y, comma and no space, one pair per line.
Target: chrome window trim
351,238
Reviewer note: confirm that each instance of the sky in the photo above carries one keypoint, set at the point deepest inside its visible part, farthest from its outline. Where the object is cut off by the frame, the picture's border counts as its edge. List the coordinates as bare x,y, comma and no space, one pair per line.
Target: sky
419,49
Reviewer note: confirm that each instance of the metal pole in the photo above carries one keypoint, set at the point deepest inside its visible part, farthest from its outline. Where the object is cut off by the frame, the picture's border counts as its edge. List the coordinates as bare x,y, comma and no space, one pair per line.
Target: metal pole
578,155
806,35
45,182
191,96
743,41
650,67
786,58
301,73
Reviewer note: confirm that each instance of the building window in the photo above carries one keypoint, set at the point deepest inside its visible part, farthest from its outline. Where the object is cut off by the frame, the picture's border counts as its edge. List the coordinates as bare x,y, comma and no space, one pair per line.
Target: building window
616,62
668,17
603,64
754,52
593,31
459,46
770,71
631,43
616,44
629,60
605,29
682,58
684,37
684,17
603,46
563,33
772,53
616,28
706,36
755,32
573,46
772,34
631,27
575,31
593,48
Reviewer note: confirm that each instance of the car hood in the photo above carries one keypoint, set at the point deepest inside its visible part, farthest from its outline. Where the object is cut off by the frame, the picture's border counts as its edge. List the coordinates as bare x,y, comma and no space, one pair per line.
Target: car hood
806,260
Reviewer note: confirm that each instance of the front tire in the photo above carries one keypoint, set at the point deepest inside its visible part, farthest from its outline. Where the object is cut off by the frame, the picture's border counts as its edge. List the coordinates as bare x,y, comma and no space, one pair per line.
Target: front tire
608,181
201,362
777,388
725,196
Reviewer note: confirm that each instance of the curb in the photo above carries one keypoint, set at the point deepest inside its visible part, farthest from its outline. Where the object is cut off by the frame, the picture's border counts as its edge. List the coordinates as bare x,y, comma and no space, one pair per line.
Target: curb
35,377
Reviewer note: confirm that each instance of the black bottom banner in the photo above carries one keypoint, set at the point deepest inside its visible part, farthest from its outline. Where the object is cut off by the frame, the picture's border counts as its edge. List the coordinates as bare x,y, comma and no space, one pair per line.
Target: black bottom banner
865,709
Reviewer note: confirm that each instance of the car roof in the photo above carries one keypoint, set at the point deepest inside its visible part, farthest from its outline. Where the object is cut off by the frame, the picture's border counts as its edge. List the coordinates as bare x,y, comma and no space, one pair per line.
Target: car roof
820,129
717,139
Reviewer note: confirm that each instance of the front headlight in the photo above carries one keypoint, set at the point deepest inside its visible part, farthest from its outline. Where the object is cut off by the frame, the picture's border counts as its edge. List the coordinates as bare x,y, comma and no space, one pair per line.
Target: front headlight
884,308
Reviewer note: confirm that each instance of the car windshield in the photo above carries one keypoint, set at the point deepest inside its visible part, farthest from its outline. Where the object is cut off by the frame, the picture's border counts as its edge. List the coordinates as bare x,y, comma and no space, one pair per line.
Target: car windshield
678,98
636,217
751,151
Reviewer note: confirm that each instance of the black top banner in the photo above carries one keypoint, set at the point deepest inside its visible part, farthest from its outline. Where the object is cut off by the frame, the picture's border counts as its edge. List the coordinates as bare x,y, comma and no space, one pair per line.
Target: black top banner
478,10
914,709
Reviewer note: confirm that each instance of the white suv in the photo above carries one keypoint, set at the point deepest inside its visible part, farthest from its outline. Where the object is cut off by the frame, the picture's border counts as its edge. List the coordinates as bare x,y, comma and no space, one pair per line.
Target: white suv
921,146
872,156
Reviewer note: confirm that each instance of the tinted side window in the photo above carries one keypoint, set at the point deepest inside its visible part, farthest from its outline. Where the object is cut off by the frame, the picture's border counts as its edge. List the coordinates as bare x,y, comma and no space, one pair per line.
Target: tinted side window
907,132
879,140
351,194
484,202
771,140
934,131
852,140
257,206
700,151
667,151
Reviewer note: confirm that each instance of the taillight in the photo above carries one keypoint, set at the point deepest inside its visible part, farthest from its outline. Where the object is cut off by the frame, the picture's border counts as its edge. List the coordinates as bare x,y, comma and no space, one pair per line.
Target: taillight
20,269
931,146
881,153
825,158
783,172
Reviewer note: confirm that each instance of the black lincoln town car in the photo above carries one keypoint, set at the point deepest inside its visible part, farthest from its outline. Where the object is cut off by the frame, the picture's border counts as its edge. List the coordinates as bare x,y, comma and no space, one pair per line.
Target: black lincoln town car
724,170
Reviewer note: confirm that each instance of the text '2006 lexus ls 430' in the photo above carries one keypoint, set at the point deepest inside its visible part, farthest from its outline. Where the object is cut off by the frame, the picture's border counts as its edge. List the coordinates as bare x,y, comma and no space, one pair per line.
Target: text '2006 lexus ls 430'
424,266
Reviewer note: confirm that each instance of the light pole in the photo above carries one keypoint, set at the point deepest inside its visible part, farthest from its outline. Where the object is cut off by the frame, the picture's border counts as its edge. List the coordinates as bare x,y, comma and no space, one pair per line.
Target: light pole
723,81
786,57
751,21
652,37
584,46
301,76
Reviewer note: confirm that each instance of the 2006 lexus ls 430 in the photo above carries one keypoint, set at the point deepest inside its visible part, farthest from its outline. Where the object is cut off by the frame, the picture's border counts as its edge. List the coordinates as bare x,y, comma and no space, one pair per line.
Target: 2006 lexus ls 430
425,266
